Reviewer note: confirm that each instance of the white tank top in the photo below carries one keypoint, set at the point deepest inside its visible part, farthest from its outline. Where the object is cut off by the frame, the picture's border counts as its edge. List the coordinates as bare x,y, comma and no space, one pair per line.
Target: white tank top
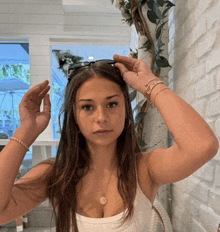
140,222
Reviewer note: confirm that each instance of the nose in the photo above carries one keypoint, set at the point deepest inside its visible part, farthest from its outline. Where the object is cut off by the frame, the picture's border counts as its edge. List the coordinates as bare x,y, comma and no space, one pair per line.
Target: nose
101,115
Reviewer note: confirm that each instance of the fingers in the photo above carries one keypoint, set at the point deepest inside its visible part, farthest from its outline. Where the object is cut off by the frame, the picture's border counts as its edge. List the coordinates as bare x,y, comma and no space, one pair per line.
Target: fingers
38,88
42,94
38,92
121,67
132,64
47,104
129,62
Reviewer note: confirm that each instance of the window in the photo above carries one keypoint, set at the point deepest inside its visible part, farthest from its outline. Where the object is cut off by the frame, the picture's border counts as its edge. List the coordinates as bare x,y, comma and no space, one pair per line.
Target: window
14,83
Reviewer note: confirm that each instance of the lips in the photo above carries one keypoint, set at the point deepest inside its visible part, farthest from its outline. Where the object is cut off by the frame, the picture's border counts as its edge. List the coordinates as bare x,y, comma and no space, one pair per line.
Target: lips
101,131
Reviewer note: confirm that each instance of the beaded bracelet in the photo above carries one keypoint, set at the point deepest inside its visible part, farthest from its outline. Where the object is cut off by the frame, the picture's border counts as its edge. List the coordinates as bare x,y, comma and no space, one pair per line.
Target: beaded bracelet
20,142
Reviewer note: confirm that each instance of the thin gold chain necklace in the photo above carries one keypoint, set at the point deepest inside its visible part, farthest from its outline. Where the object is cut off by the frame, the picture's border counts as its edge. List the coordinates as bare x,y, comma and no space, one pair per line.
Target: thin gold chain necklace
103,200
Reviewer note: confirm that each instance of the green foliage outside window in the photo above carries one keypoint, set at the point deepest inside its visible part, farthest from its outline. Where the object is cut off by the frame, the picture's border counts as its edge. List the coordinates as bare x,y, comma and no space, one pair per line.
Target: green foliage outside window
18,71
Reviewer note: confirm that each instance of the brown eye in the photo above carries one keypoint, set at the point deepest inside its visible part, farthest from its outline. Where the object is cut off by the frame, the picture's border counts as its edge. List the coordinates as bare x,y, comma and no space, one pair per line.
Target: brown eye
112,103
85,106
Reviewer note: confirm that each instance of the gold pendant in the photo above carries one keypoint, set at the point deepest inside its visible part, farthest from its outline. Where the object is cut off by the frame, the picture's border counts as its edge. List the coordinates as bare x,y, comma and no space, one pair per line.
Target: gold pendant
103,200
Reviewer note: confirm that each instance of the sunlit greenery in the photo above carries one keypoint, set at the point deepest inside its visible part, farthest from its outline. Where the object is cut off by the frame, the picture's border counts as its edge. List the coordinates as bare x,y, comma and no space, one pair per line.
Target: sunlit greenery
18,71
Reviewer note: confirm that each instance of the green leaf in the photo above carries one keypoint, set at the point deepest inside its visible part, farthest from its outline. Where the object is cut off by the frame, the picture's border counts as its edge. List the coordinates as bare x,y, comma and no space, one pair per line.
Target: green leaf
141,142
133,95
154,7
158,50
157,12
147,45
158,33
139,117
152,16
150,4
165,11
156,67
162,62
130,21
122,4
160,44
128,5
160,2
170,4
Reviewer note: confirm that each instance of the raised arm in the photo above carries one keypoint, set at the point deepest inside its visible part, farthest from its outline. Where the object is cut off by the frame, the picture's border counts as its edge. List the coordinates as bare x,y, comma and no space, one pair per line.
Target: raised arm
33,123
190,131
195,144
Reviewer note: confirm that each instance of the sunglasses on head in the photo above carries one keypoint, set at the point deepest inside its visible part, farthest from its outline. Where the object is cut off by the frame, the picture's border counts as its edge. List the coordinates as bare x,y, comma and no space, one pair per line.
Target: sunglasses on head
77,66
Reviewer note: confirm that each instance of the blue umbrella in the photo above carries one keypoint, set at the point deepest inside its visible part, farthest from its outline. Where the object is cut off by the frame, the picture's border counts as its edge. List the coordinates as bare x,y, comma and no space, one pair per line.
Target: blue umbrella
9,96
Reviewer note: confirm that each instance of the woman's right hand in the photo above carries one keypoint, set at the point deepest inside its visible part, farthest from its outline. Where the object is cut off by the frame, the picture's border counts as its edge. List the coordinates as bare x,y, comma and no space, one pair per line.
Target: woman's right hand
29,109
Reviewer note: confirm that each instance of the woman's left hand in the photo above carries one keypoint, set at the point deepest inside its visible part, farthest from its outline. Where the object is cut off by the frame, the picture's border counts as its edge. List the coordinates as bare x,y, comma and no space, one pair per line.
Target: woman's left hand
136,73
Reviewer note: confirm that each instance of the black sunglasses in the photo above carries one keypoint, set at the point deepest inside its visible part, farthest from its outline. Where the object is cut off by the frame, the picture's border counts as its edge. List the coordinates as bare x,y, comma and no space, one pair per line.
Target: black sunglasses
77,66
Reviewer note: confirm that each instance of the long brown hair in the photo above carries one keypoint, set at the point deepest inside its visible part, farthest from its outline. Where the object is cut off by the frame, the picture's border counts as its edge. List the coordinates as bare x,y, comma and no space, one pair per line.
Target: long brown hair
73,160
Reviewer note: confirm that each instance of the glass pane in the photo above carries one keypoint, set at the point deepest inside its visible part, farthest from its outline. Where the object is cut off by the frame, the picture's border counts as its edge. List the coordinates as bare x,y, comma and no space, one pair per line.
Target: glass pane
14,83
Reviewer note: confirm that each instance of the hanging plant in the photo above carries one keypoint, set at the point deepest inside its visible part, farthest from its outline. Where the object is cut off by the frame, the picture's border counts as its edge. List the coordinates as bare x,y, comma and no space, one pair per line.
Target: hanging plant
157,14
65,59
133,54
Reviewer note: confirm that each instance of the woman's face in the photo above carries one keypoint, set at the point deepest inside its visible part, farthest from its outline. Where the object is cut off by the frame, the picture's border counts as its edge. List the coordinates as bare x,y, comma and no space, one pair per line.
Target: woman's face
100,112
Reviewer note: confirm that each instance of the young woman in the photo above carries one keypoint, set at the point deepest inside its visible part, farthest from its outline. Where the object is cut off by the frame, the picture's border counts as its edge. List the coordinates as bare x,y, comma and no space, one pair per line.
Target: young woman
99,178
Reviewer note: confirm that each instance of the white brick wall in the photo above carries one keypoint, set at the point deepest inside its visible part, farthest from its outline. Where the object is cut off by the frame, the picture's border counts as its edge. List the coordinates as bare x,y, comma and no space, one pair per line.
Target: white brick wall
194,51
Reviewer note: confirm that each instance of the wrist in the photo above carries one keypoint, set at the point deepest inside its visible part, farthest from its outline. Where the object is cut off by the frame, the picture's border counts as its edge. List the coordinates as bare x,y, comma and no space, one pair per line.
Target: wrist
146,84
155,89
25,135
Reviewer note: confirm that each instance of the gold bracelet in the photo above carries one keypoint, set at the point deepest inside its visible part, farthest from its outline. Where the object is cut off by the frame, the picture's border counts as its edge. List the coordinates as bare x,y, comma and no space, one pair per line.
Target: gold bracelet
149,82
158,93
149,88
20,142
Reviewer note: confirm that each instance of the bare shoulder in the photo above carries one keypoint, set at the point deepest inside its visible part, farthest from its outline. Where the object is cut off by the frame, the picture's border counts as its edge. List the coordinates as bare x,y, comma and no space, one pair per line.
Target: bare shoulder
42,169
